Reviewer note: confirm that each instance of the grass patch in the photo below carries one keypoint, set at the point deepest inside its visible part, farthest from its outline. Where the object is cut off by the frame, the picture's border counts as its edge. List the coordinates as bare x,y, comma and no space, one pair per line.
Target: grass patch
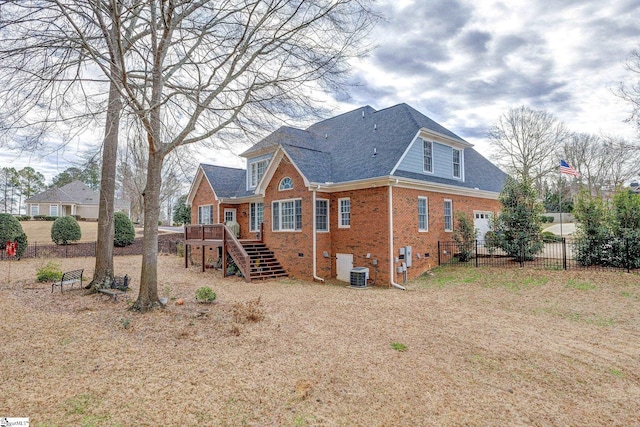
580,285
78,405
398,346
616,372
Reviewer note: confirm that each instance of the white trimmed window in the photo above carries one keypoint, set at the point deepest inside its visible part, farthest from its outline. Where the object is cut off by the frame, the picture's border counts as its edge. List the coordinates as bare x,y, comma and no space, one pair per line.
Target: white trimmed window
344,220
53,210
448,215
229,215
256,216
287,215
322,215
35,210
205,214
256,170
423,214
457,163
427,161
286,184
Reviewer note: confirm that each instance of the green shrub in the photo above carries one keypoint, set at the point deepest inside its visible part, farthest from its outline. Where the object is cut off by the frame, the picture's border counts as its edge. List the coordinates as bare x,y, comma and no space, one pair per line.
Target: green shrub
39,217
65,229
465,235
50,272
24,218
124,234
549,237
11,231
205,294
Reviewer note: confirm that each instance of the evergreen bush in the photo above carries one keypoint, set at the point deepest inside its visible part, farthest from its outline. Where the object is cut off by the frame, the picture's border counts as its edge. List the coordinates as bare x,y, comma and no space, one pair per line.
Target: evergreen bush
64,230
11,231
465,235
124,233
518,226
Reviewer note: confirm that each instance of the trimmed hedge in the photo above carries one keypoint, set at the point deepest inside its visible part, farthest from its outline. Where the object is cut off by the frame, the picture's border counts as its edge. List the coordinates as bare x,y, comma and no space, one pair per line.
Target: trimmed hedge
11,231
124,234
64,230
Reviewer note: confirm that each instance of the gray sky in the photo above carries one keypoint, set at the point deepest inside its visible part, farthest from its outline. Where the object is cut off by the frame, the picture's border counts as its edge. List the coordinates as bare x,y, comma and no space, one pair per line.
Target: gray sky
464,63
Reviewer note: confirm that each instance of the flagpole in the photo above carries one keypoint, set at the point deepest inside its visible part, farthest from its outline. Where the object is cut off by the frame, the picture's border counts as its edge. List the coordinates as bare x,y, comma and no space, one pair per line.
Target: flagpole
560,198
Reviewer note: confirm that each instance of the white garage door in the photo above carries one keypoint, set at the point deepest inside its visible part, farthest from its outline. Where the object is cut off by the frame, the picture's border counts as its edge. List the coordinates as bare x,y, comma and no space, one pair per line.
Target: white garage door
482,223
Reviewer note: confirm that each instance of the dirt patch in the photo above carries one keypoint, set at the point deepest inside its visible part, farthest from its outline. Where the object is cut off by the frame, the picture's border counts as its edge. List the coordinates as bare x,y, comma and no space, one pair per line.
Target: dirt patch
462,347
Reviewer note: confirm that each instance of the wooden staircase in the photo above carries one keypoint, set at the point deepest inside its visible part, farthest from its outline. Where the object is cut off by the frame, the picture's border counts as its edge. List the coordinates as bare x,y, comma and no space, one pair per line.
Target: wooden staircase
264,264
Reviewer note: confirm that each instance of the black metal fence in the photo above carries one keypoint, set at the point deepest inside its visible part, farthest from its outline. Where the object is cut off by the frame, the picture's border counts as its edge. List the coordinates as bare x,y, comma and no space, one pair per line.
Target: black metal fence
88,249
560,255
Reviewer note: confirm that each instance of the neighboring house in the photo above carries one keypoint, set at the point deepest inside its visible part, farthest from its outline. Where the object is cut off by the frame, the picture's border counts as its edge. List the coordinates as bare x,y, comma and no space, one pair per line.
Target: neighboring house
367,188
75,198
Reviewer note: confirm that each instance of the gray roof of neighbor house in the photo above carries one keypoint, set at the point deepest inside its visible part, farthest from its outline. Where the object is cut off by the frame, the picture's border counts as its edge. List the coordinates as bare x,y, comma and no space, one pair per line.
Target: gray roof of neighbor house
341,149
227,182
75,192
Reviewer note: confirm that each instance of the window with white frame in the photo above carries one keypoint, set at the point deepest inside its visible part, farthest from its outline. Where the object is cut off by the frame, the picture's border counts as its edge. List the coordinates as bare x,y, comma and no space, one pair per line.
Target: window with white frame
286,184
344,220
322,215
427,150
423,214
35,210
53,210
256,170
256,216
448,215
287,215
205,214
457,163
229,215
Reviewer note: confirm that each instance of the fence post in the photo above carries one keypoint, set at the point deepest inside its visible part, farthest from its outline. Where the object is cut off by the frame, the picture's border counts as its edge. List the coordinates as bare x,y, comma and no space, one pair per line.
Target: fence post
521,254
626,244
35,250
564,253
66,251
476,253
438,252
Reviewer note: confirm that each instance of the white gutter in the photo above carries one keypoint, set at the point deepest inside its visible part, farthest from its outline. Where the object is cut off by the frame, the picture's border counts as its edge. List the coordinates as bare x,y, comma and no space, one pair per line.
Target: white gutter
313,219
391,258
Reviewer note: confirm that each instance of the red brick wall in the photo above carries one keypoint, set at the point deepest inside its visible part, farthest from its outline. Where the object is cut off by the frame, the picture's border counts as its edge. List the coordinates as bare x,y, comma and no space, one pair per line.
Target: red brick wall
405,218
204,196
368,233
294,249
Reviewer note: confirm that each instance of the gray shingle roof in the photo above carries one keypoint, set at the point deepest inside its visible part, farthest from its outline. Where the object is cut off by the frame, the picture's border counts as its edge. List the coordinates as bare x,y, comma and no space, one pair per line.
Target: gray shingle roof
227,182
75,192
341,148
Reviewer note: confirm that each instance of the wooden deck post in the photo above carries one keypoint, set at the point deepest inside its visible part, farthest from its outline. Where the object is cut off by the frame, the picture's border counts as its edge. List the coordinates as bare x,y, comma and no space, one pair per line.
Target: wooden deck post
224,253
203,266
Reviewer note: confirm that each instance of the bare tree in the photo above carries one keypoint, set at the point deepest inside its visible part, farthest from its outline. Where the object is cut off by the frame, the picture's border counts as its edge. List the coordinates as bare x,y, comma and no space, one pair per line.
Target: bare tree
525,143
205,71
630,90
604,162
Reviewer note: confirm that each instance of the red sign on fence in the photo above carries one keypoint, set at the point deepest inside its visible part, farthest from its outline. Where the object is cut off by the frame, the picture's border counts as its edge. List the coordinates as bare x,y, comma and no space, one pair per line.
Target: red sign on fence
11,248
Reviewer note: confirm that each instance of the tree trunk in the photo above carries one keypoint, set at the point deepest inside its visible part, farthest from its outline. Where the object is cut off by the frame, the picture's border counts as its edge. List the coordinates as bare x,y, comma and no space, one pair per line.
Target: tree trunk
103,274
148,296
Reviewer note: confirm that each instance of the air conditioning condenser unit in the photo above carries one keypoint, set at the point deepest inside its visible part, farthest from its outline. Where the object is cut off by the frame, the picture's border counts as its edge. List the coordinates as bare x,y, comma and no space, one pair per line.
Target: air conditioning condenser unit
359,277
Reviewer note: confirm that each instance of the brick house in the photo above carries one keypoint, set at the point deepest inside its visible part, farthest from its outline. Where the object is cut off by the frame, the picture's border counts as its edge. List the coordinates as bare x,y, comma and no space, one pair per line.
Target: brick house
367,188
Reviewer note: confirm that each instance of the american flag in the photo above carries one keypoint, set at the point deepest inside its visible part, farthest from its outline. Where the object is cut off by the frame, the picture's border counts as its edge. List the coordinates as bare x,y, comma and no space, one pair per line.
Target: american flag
568,169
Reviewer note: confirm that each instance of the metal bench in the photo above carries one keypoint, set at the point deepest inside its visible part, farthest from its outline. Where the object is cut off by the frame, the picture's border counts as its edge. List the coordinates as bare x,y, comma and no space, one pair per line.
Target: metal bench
69,278
119,286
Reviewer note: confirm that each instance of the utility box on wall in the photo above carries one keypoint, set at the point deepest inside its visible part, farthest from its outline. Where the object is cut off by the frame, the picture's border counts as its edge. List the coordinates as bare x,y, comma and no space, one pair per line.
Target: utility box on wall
405,254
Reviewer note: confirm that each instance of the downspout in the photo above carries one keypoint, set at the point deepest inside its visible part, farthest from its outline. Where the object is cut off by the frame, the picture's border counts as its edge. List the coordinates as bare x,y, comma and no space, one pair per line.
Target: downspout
391,258
315,250
218,211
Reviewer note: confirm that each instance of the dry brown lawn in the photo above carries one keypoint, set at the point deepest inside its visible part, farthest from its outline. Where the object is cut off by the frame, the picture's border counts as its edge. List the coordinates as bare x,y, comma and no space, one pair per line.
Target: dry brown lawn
40,231
473,347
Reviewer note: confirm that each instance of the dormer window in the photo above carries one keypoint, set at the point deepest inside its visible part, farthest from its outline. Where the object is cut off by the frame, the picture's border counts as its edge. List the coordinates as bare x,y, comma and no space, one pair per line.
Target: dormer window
285,184
457,163
256,170
427,150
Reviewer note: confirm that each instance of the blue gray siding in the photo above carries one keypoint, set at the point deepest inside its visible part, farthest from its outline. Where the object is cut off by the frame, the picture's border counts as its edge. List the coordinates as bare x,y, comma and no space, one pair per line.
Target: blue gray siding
442,160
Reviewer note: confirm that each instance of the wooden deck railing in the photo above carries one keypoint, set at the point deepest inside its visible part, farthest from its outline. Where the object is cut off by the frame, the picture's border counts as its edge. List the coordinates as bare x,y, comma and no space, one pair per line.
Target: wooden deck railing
220,234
